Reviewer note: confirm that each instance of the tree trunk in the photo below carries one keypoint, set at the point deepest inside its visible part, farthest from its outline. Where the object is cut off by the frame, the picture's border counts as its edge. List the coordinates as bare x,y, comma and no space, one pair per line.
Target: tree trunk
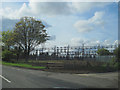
26,56
8,47
25,53
18,56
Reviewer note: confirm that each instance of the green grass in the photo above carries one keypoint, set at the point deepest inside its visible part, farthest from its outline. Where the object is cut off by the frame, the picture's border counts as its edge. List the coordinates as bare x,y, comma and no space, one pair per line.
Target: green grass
22,65
47,61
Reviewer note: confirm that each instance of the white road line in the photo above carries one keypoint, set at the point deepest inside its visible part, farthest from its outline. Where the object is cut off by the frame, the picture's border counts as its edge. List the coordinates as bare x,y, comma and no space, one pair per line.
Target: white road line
5,79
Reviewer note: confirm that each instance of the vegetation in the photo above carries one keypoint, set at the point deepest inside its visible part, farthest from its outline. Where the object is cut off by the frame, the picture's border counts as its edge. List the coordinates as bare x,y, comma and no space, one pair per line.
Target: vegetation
114,63
22,65
7,55
27,34
103,52
7,39
117,53
78,65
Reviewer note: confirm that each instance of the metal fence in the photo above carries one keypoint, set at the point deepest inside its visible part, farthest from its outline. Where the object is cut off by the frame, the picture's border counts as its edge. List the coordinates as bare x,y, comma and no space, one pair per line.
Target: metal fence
72,52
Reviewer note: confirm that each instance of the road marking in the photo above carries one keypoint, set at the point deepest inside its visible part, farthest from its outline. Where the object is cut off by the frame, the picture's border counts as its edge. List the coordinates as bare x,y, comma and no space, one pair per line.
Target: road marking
87,74
5,79
60,87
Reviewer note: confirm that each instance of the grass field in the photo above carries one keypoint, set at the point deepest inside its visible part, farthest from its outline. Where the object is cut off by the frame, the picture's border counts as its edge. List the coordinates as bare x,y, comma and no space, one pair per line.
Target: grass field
22,65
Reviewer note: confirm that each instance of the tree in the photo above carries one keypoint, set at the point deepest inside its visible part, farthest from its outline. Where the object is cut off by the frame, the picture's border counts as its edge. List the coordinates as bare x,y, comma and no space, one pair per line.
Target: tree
7,42
17,52
7,39
103,52
7,55
29,33
117,52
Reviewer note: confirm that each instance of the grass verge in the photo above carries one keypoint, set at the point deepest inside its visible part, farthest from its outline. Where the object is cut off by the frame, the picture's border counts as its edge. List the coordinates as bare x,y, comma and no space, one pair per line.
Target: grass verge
22,65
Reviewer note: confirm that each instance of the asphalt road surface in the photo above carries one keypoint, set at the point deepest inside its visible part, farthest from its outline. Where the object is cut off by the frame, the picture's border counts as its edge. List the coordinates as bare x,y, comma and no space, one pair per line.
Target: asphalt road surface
13,77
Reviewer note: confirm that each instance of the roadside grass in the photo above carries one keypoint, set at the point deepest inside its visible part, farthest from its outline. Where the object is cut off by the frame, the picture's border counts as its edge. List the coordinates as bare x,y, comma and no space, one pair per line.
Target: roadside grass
79,65
46,61
68,65
22,65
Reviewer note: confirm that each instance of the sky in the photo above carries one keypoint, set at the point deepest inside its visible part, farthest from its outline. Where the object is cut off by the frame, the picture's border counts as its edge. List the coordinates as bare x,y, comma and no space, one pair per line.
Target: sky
68,23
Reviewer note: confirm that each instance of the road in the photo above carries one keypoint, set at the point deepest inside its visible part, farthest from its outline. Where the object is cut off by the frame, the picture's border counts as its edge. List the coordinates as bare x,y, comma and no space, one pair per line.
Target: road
13,77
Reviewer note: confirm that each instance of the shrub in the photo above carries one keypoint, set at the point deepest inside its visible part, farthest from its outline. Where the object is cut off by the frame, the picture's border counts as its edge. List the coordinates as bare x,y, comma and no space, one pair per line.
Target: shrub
103,52
117,53
7,55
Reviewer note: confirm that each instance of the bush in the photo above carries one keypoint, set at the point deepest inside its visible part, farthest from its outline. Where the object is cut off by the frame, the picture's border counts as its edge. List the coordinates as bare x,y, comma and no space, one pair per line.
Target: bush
7,55
103,52
117,53
116,65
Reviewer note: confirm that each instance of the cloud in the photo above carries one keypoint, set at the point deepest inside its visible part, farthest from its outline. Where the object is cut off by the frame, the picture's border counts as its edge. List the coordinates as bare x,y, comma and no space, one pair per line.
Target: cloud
87,6
63,8
37,9
88,42
24,11
106,42
91,23
83,26
9,24
116,42
7,12
49,9
80,41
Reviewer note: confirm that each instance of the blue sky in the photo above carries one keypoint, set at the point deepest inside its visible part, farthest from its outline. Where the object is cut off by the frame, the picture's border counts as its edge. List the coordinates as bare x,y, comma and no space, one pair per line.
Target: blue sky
71,23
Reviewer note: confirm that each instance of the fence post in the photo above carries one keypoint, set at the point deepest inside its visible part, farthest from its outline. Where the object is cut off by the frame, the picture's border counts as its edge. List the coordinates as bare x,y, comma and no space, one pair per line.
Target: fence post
83,51
68,52
54,52
57,52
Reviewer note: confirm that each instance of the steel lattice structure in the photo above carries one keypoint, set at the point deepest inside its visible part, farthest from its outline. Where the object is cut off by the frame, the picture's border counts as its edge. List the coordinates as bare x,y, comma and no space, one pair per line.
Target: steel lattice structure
74,51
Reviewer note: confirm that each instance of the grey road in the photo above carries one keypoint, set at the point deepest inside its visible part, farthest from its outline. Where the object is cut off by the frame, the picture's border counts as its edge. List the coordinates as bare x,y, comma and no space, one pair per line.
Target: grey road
13,77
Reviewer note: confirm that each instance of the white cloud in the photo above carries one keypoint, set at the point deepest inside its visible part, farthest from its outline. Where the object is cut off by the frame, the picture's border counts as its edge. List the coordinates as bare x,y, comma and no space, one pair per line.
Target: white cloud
86,6
63,8
116,42
83,26
23,11
88,42
7,12
91,23
106,42
37,9
49,9
80,41
97,18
